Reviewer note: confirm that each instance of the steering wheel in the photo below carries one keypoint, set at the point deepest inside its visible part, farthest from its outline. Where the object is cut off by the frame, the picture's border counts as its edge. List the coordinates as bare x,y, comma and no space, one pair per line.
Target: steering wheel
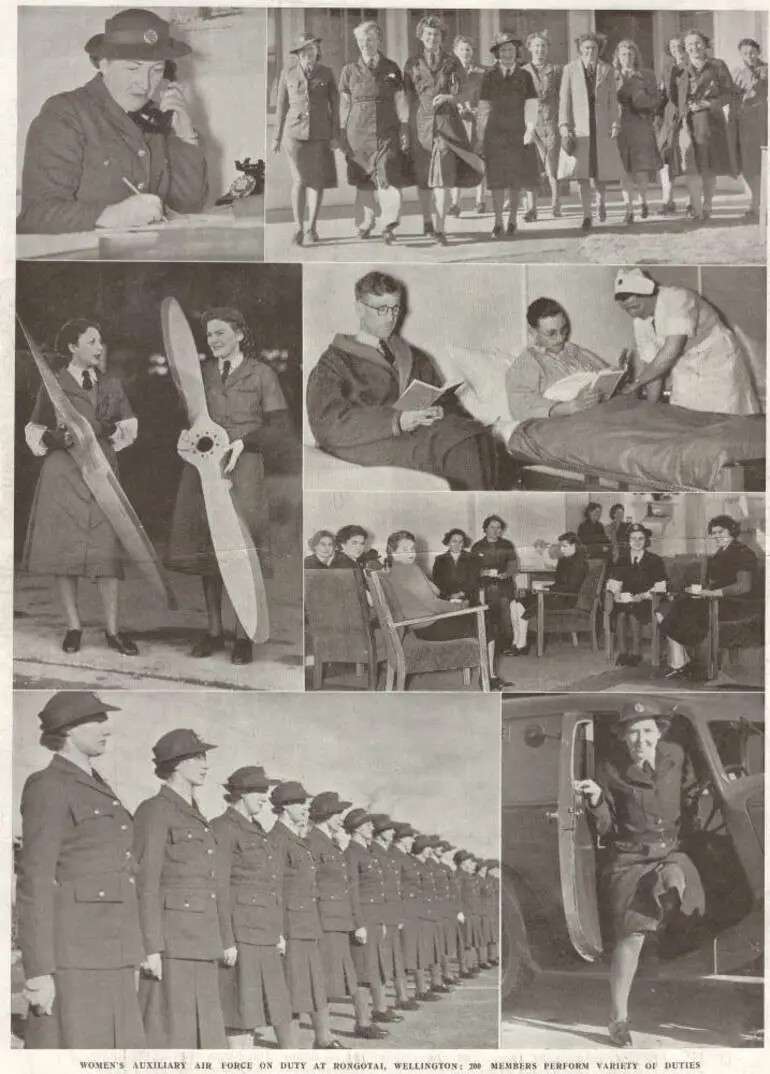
706,787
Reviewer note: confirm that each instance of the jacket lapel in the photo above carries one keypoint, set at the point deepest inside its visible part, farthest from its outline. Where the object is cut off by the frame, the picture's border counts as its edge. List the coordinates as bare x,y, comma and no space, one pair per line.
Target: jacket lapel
350,345
114,114
243,370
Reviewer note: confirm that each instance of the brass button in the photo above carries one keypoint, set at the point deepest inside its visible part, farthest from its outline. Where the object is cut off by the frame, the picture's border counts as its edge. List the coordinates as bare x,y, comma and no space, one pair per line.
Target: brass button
141,153
101,894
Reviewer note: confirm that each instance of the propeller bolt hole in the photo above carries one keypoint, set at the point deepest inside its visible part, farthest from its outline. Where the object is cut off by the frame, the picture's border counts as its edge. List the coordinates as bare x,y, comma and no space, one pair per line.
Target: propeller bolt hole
204,444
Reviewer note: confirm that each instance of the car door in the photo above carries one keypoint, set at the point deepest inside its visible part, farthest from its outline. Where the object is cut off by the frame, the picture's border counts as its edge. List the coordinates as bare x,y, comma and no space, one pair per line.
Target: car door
577,851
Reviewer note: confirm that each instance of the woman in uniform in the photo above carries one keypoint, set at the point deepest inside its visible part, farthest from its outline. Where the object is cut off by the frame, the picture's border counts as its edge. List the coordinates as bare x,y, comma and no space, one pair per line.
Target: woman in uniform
68,535
470,76
78,919
637,803
429,978
498,562
636,572
304,967
373,131
546,77
413,947
253,991
750,81
508,108
182,894
307,120
639,100
443,158
244,396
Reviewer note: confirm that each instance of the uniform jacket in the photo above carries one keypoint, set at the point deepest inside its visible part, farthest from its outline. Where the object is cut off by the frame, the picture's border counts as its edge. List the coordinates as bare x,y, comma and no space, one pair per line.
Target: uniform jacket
350,404
331,869
447,891
460,576
253,913
392,882
76,895
428,905
300,891
180,879
80,148
575,113
307,103
641,577
242,403
410,884
367,886
499,555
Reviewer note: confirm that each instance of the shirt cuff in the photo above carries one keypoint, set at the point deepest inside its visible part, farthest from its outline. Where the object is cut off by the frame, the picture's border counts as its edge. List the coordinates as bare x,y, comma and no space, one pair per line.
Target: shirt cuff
33,434
125,434
397,430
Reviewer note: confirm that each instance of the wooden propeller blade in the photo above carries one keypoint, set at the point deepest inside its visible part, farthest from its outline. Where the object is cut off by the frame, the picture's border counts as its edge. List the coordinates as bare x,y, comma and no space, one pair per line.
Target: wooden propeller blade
184,363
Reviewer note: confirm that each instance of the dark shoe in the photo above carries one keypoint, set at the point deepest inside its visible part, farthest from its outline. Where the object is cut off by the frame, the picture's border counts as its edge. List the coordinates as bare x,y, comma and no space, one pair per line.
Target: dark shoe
628,218
297,238
407,1005
510,230
442,989
332,1046
668,208
122,644
556,211
497,231
370,1032
365,232
452,981
480,208
467,974
242,652
386,1016
208,644
706,212
387,234
644,211
511,651
72,640
530,216
440,238
485,965
496,683
601,212
428,229
523,650
587,224
620,1035
454,210
311,236
427,997
623,660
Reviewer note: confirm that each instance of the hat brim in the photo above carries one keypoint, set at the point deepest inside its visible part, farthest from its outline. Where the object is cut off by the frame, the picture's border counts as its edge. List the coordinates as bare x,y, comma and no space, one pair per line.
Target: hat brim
366,819
494,49
300,48
100,49
622,722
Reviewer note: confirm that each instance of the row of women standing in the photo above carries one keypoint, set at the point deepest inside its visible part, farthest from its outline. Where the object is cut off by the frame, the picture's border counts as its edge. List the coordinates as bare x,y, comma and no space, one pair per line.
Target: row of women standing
167,930
445,124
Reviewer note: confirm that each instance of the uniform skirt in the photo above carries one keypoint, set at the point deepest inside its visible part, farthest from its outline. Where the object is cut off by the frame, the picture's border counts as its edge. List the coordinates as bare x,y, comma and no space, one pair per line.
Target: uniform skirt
638,145
636,890
312,162
449,934
253,992
183,1009
409,941
68,533
305,976
430,949
190,549
96,1009
473,933
339,970
373,960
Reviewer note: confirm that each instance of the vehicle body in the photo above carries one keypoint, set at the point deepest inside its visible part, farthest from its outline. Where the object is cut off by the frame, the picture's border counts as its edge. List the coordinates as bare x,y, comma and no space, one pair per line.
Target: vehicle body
551,858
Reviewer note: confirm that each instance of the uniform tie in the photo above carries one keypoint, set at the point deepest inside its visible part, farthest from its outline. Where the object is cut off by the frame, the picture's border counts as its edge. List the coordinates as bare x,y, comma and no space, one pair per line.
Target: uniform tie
87,380
371,63
387,352
226,366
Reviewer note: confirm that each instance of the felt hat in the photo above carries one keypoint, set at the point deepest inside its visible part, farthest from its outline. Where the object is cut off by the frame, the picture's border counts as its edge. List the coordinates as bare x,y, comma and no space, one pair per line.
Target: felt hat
135,34
70,707
178,744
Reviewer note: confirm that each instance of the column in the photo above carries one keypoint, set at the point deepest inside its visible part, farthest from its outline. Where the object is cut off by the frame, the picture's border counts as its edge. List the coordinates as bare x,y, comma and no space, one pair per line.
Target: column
578,22
396,29
489,24
665,25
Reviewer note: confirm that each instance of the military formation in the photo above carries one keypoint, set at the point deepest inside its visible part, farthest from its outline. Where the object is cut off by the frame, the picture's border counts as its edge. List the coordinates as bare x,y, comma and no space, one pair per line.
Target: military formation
167,930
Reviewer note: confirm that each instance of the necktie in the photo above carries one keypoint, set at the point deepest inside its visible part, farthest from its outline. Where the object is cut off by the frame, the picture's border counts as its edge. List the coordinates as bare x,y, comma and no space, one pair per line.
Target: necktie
87,380
371,64
387,352
225,370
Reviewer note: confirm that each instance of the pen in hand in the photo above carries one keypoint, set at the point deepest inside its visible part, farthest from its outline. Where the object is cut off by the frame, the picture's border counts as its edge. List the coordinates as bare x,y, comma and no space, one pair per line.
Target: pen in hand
136,190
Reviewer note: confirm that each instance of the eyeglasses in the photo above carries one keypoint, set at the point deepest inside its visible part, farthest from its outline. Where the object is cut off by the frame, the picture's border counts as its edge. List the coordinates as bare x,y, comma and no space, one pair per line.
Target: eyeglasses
384,311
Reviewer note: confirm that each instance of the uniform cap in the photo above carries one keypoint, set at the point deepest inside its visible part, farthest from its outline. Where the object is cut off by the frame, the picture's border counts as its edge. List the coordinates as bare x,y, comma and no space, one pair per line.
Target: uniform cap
641,709
178,744
461,856
327,804
288,793
355,818
503,37
303,40
633,282
637,527
135,34
402,829
249,778
383,823
421,843
69,707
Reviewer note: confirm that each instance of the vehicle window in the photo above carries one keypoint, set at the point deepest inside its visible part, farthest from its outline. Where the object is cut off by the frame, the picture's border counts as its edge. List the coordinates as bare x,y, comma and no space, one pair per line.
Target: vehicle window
740,745
531,772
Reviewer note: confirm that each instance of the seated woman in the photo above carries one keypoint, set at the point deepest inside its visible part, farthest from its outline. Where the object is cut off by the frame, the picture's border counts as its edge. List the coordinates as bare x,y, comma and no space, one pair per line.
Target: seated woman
592,533
730,574
633,578
571,571
637,801
457,572
417,596
351,551
549,357
323,549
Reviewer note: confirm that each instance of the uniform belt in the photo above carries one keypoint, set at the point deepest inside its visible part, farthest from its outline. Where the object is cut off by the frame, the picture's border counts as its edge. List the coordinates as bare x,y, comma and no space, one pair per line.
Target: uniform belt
647,849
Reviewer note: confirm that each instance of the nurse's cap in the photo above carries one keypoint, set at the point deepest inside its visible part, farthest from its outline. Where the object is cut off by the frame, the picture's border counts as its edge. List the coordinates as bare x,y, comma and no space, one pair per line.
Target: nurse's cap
634,282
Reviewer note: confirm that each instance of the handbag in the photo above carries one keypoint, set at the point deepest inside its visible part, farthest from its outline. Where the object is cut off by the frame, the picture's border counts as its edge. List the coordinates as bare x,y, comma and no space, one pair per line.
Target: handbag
567,165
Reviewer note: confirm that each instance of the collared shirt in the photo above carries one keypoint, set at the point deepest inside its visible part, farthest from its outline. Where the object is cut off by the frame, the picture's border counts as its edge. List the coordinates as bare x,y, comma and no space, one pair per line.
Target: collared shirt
535,370
368,340
233,362
77,373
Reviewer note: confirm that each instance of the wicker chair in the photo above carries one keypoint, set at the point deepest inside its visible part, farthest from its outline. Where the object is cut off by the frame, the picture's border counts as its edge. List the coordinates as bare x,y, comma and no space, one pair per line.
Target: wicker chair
409,655
581,618
339,623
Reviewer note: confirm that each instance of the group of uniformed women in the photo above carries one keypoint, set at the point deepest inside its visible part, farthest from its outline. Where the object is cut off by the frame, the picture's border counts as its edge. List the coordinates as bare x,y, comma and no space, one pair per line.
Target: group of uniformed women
168,930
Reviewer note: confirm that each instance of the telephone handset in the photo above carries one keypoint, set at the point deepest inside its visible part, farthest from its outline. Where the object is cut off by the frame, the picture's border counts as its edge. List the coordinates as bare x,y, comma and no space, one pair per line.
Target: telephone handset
150,118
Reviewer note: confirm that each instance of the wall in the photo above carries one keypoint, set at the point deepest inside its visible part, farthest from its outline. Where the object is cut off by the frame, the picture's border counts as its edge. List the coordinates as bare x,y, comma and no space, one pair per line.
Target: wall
223,78
382,767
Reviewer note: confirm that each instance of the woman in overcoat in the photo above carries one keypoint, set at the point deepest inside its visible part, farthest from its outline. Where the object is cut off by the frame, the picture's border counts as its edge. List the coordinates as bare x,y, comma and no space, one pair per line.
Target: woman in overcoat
639,101
457,572
589,123
751,119
68,534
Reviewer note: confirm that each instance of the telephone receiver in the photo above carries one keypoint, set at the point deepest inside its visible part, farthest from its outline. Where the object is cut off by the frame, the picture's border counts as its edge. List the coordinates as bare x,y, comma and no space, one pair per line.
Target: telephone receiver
150,118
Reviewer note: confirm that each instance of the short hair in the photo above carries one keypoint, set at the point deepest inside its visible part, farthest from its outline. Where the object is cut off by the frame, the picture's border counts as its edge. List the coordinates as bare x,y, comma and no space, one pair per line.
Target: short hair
343,535
450,534
236,320
592,506
493,518
165,769
463,39
698,33
570,537
377,283
395,538
365,27
315,540
749,41
627,43
545,307
69,334
539,35
617,507
724,522
671,40
54,740
431,22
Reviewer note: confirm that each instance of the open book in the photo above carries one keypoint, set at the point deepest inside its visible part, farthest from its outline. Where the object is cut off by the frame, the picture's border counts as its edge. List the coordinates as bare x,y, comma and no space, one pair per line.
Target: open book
607,381
418,395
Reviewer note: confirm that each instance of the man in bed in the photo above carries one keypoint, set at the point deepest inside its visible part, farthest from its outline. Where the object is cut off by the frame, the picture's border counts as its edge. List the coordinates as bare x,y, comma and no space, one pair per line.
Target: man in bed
353,390
682,339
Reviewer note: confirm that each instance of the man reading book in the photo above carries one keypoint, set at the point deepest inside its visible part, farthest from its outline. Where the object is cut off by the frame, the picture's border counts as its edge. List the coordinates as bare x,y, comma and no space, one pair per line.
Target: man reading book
357,392
532,379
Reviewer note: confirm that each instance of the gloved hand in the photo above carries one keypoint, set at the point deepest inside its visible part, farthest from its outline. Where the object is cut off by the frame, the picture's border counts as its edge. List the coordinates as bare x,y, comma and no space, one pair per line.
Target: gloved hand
104,429
58,439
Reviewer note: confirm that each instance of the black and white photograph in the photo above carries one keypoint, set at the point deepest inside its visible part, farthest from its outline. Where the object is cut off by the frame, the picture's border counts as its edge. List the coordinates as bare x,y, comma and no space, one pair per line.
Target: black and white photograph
492,378
534,591
141,133
633,873
599,136
279,874
158,494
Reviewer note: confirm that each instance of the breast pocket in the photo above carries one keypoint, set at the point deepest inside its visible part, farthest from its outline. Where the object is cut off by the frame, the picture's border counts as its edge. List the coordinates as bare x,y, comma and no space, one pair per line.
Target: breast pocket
93,810
98,889
245,403
186,903
186,843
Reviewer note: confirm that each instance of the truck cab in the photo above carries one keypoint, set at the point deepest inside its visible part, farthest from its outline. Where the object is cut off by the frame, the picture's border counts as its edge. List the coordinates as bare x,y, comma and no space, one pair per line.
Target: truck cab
552,916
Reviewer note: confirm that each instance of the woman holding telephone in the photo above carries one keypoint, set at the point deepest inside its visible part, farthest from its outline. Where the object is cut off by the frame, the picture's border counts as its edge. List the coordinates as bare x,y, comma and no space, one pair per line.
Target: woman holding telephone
106,155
